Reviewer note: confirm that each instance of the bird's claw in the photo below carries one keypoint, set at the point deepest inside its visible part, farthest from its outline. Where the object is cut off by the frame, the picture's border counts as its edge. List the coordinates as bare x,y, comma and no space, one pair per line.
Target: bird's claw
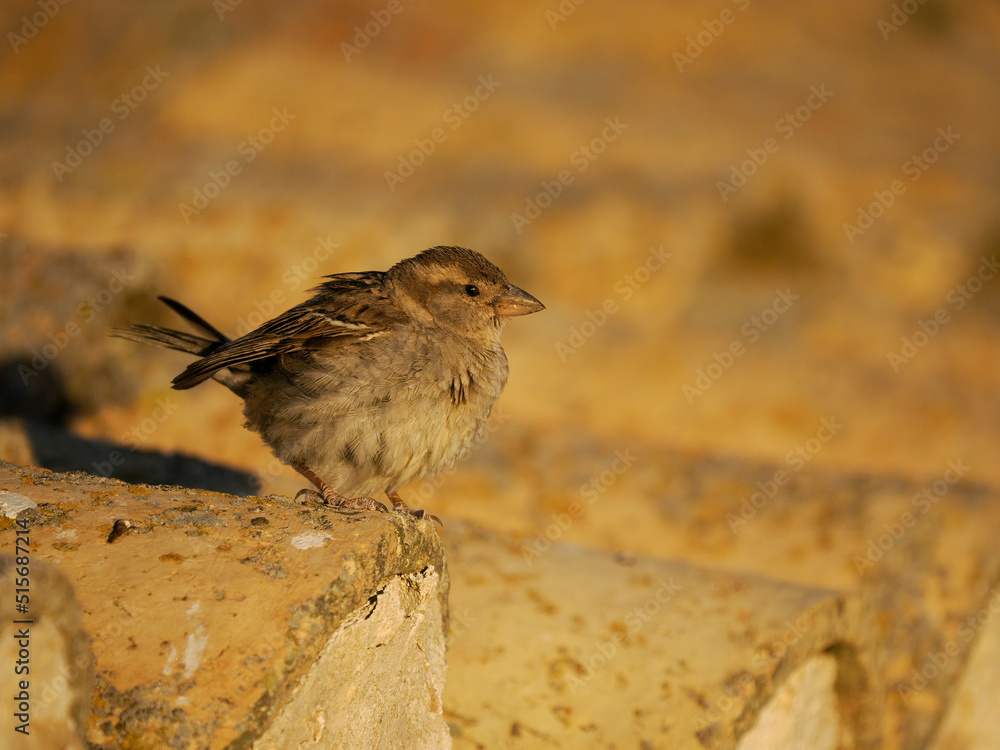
359,503
336,500
400,507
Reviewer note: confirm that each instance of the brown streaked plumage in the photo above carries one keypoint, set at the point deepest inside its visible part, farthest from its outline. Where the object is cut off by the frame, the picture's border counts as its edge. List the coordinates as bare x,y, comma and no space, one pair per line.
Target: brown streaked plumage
379,378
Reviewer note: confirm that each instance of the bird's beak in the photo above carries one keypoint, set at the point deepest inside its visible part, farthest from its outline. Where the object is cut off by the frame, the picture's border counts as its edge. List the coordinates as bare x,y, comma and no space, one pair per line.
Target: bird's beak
515,302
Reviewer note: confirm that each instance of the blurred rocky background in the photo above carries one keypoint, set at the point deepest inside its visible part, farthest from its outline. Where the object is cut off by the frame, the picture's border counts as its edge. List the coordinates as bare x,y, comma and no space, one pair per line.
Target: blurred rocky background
766,235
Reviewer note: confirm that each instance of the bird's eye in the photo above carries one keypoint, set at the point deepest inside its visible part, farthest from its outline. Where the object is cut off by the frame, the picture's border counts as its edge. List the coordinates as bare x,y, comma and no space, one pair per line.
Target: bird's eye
472,290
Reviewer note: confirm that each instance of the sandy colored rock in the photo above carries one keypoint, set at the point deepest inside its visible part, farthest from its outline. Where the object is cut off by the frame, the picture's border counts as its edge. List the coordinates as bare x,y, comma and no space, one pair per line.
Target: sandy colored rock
45,652
970,722
803,713
15,446
57,304
32,443
576,648
919,558
207,613
379,669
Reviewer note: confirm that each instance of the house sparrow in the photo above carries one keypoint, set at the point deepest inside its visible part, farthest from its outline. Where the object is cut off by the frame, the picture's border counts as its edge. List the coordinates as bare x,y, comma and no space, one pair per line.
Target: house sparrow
381,377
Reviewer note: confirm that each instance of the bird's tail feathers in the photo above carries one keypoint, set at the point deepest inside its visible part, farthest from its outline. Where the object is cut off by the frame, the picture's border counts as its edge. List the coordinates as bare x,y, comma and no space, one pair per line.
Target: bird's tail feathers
210,338
196,321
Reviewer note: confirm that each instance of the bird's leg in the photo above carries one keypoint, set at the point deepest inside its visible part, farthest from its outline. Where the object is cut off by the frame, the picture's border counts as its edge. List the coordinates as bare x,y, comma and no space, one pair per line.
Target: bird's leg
402,507
330,496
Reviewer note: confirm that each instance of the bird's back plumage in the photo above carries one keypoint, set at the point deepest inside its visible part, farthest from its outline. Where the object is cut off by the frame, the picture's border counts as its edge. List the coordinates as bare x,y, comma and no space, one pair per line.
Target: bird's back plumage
380,377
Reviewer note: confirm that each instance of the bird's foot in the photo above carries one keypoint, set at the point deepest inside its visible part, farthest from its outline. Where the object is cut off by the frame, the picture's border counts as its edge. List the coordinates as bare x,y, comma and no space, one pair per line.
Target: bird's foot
311,495
329,496
361,503
401,507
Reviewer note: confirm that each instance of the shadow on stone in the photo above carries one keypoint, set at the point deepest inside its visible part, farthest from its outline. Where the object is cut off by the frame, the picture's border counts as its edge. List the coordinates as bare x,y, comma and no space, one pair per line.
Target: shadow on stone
36,396
58,450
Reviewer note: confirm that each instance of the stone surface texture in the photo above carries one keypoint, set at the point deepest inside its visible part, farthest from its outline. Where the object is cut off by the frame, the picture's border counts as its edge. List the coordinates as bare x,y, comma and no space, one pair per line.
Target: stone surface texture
48,648
207,613
691,656
914,562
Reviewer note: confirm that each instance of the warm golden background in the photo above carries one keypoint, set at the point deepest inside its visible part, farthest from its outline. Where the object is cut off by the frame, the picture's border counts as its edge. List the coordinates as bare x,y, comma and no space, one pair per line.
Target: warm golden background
633,114
891,82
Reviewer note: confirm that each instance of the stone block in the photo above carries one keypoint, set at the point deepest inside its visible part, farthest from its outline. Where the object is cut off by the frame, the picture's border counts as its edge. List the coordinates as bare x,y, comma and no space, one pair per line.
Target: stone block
220,621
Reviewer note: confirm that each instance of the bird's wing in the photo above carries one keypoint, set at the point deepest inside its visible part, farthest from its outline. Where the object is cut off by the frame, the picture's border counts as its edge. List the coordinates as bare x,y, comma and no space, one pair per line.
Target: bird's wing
348,308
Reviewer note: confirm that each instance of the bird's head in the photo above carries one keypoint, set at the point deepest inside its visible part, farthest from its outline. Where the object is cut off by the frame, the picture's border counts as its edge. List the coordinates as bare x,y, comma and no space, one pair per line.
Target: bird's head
458,289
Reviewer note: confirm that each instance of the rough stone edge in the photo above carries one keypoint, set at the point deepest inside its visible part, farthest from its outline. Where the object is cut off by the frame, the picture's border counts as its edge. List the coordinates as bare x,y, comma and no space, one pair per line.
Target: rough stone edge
333,609
325,614
54,612
830,628
805,704
302,701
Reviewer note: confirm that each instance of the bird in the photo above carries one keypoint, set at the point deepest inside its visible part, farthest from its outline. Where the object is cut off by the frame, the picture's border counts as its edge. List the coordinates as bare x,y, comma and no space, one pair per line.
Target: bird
379,378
